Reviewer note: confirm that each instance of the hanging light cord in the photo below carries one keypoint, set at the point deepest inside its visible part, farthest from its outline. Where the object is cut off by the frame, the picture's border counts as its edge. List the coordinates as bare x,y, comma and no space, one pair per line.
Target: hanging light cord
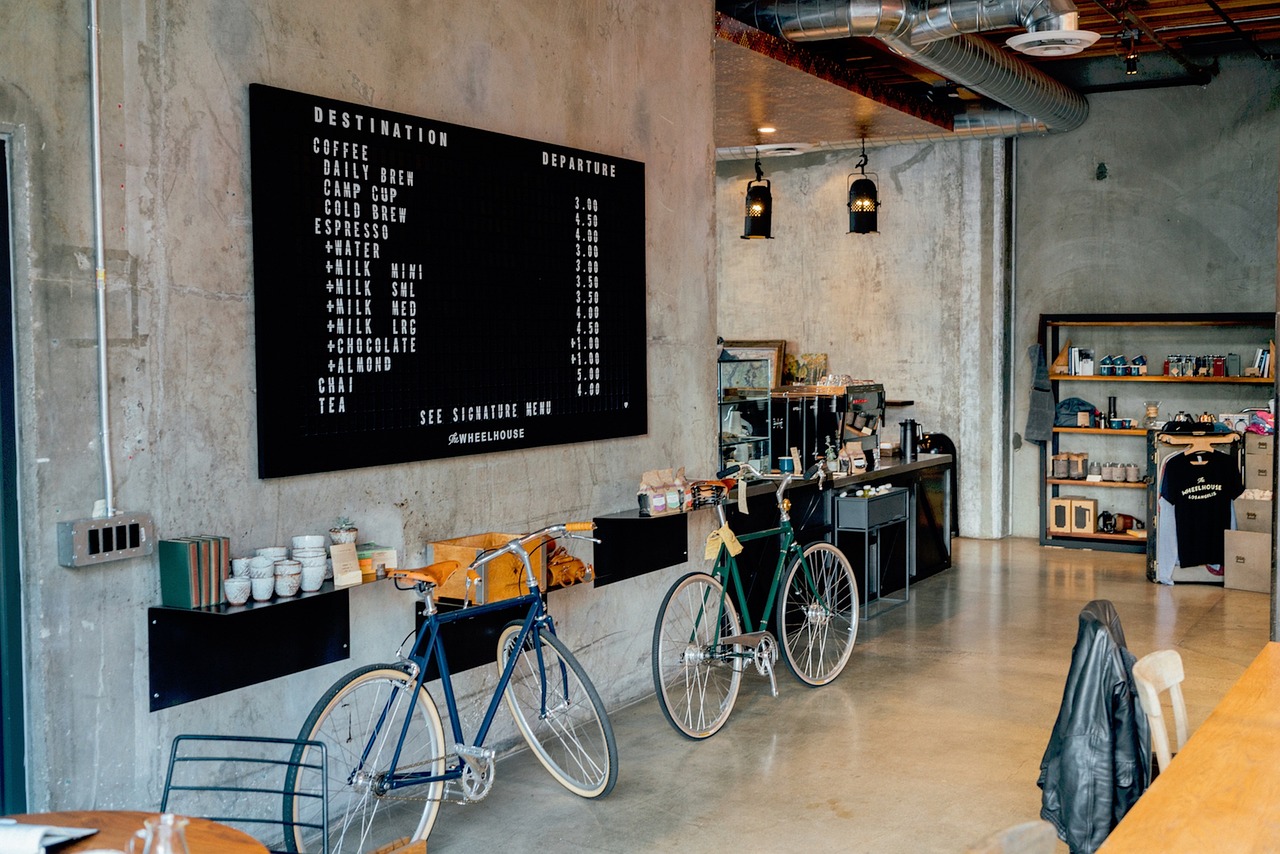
862,159
759,171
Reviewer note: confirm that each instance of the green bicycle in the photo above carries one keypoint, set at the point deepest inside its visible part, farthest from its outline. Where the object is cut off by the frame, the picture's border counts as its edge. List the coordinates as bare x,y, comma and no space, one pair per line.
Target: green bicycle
699,649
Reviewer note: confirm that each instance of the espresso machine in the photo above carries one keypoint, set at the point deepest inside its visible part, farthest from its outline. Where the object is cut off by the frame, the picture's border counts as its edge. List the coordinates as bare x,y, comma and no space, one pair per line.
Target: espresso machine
819,420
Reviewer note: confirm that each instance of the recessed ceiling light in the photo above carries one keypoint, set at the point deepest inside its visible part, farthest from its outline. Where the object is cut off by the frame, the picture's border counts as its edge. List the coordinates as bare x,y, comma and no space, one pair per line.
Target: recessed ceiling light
767,129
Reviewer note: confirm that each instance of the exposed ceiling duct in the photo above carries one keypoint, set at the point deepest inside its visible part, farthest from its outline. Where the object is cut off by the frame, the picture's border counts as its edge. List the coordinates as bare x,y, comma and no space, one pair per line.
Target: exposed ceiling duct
937,37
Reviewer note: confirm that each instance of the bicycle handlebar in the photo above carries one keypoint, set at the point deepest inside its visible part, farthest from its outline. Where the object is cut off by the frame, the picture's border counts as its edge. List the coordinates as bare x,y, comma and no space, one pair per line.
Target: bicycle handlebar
517,544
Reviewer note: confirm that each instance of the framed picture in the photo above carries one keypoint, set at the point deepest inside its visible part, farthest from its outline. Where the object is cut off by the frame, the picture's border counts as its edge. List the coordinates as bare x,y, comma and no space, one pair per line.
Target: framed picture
774,351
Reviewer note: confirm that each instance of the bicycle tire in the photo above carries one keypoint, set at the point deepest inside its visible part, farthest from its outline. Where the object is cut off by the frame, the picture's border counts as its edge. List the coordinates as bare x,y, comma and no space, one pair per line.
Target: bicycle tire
696,687
345,719
817,619
570,734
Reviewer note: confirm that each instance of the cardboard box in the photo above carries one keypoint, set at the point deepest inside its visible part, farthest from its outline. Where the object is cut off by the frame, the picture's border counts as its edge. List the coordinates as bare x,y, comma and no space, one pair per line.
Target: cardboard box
1246,562
1254,515
1084,516
503,578
1258,443
1060,515
1257,471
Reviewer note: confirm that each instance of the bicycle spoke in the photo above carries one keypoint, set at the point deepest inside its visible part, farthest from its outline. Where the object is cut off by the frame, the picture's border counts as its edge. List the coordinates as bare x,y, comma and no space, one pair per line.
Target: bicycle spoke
695,681
817,620
559,713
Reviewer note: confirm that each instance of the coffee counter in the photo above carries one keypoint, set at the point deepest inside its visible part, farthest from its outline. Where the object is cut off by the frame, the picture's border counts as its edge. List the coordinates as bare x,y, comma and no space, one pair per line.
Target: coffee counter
632,544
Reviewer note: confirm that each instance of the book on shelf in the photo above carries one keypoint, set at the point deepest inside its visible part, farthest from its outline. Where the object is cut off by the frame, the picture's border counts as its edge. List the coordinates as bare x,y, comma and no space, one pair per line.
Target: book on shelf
1080,361
192,569
179,572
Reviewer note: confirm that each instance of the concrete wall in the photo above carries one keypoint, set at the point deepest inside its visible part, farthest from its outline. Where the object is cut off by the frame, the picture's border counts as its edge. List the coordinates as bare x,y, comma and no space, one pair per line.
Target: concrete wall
627,78
920,306
1183,221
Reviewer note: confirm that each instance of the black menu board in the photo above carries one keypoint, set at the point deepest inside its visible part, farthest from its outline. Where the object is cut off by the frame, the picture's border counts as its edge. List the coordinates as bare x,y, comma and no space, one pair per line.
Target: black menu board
427,290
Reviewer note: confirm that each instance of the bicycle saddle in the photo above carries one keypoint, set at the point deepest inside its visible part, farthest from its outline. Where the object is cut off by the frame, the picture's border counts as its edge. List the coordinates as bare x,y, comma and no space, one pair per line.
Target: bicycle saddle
707,492
436,573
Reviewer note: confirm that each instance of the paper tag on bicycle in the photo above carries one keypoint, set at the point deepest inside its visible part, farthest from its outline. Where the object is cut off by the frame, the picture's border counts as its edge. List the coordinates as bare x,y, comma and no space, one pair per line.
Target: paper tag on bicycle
742,496
725,536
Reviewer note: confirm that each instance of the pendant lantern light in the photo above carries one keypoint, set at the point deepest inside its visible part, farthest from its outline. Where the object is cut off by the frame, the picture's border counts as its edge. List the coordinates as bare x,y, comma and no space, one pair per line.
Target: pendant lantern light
759,217
864,199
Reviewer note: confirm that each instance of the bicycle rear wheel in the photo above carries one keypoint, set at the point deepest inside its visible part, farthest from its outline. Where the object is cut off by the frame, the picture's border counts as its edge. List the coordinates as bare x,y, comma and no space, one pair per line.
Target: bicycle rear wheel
696,683
818,614
559,712
359,719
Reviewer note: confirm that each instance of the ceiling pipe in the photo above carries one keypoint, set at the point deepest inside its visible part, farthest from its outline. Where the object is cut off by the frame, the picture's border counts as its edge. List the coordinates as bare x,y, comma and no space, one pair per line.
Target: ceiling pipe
967,61
1126,17
978,65
960,17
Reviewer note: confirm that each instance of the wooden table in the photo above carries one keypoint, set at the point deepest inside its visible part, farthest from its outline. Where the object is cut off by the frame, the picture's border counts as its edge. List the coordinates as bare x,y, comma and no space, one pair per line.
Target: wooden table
115,827
1221,792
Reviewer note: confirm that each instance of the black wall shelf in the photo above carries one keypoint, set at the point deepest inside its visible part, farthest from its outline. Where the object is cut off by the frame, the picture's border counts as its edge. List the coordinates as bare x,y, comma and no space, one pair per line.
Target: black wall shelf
197,653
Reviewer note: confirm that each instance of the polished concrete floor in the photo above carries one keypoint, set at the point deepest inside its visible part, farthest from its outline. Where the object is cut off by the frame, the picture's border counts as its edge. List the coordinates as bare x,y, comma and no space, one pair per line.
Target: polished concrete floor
929,740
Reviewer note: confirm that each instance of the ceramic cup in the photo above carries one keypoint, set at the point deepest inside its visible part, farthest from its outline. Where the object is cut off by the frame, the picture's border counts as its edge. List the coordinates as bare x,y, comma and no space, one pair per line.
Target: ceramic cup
288,582
263,588
309,541
273,552
237,589
240,566
299,554
261,567
312,577
284,566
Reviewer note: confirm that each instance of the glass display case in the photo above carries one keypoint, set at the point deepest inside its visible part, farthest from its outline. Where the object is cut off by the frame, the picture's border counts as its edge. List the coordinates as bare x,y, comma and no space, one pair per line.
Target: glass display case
743,398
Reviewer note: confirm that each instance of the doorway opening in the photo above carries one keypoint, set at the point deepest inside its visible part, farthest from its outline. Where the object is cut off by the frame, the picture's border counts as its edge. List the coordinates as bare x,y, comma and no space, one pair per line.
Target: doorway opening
13,791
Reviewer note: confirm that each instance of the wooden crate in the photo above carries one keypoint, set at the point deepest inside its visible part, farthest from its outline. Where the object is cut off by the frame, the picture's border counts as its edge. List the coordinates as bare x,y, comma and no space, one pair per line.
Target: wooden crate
503,578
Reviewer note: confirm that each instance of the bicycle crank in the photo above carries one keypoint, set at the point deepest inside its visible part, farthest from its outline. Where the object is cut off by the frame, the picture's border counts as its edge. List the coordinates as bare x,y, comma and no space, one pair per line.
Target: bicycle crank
477,771
763,651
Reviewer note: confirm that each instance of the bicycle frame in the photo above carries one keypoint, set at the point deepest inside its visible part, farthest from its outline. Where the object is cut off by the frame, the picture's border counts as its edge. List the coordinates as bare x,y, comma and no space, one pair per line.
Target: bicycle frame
428,644
726,571
726,568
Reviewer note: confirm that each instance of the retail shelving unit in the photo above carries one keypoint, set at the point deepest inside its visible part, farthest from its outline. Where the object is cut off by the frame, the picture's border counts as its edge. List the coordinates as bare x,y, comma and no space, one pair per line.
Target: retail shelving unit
742,392
1152,335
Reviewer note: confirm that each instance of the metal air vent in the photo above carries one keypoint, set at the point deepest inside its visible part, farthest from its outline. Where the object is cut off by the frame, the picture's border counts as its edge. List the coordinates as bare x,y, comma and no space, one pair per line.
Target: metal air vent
1052,42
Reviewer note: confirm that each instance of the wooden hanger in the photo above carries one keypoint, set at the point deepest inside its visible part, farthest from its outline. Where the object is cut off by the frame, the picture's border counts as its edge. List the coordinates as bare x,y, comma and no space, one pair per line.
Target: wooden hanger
1194,443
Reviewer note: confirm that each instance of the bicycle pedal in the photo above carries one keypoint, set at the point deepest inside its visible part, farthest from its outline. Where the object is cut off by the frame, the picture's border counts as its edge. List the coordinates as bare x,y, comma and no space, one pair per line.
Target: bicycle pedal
467,751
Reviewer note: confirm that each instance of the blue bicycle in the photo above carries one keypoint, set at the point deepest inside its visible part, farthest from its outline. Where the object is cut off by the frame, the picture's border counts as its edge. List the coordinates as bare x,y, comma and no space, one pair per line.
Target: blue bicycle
389,766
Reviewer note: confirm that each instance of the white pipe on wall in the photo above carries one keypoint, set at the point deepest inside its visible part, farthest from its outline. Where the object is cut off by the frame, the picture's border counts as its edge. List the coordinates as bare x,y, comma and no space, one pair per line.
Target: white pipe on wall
100,264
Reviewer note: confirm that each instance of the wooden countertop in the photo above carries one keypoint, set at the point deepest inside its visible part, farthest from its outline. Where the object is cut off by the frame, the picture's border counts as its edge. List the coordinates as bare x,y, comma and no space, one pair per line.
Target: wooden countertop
115,827
1221,793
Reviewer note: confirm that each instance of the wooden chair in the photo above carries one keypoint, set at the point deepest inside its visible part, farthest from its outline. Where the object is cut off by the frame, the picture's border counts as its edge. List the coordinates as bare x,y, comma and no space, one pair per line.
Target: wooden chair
267,787
1155,673
1031,837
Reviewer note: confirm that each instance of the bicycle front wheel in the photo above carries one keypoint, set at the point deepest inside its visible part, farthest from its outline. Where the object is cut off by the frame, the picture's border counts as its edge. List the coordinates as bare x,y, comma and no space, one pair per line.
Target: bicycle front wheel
818,614
359,719
696,679
559,712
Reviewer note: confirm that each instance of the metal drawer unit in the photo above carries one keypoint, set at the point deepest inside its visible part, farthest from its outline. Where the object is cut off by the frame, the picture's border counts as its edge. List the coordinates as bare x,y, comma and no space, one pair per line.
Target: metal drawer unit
867,516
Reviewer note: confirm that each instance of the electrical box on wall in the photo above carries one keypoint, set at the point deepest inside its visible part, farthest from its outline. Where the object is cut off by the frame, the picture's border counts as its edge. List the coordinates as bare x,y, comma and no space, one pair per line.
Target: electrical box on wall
88,542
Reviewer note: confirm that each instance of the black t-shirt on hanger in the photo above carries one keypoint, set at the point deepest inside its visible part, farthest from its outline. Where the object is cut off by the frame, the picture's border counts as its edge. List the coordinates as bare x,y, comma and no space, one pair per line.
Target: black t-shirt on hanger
1201,486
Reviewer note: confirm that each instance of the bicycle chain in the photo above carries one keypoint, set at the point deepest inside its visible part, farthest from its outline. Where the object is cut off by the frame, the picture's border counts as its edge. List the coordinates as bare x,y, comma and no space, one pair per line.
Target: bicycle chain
443,789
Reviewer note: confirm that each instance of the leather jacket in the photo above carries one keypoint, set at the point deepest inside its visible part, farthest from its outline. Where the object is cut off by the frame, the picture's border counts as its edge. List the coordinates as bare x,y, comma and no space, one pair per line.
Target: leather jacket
1099,757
